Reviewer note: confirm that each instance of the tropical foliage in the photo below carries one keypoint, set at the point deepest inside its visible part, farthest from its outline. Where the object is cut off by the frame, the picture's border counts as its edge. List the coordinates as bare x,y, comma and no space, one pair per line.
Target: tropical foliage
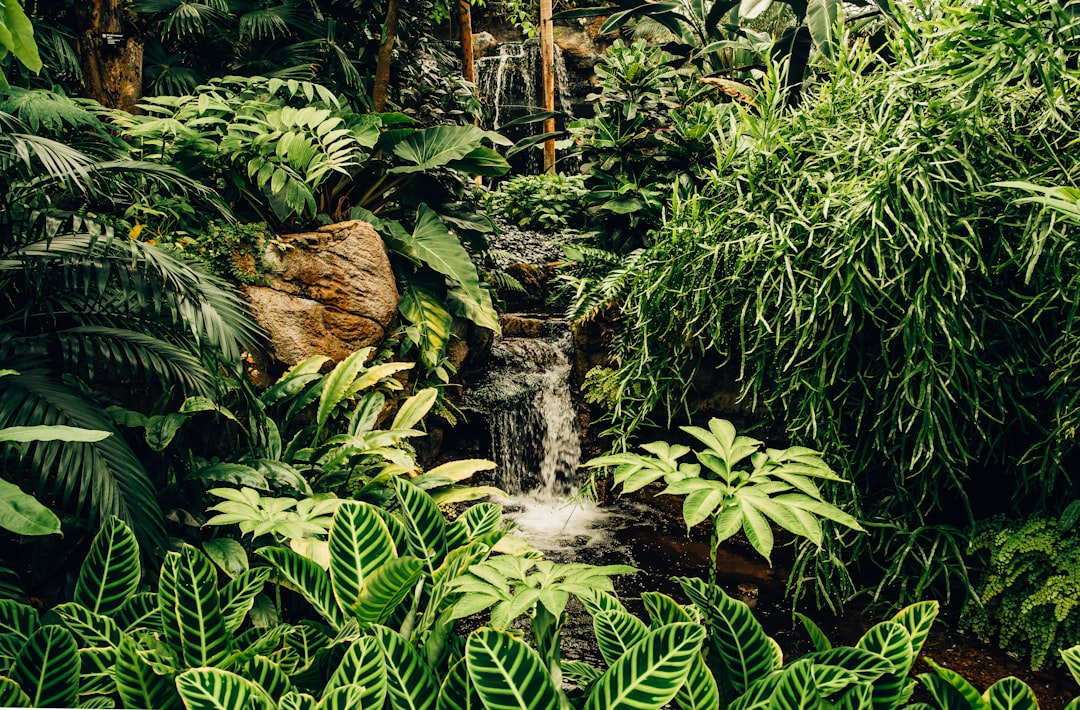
861,266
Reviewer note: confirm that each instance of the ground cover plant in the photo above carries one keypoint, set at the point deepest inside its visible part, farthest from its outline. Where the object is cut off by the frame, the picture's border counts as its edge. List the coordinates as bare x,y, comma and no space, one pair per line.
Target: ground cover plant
864,266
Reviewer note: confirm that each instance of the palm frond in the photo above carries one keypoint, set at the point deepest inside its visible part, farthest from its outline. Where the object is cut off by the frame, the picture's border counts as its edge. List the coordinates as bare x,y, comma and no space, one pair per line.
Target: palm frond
97,478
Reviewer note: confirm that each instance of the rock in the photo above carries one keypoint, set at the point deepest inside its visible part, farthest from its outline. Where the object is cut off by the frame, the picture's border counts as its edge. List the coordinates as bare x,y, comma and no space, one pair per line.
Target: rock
328,292
578,44
483,43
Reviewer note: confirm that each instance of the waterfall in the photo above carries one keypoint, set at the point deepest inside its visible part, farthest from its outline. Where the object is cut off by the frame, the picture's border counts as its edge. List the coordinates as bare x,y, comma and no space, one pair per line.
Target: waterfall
535,439
509,84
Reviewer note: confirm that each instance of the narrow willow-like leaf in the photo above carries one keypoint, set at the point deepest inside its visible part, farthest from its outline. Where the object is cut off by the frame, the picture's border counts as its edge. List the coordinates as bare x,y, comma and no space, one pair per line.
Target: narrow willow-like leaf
191,608
215,689
650,673
359,544
507,674
47,668
112,571
616,631
409,682
307,578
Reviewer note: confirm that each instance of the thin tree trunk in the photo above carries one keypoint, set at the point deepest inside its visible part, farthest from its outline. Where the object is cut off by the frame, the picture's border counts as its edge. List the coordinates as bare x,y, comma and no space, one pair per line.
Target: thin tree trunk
111,52
547,59
386,50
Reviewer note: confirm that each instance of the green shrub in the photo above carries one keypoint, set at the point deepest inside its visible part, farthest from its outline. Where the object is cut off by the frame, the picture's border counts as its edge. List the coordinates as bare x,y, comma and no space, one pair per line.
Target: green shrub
546,201
860,265
228,249
1028,586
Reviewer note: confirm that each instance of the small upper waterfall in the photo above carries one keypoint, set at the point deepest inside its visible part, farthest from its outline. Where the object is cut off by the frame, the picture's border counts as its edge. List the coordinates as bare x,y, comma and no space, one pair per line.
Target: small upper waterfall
509,83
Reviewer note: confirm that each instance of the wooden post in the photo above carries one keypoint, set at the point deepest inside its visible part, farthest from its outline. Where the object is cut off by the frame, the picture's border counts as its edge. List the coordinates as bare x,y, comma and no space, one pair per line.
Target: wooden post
547,59
468,65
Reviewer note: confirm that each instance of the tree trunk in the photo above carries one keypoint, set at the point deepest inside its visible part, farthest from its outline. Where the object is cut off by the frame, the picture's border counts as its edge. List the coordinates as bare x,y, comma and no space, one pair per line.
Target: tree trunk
111,52
386,51
547,60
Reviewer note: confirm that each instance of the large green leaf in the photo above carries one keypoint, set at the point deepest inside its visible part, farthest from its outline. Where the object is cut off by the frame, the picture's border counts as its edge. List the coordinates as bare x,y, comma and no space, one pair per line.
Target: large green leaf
93,629
482,160
424,523
616,631
238,596
507,674
742,648
359,544
112,571
215,689
917,618
12,696
1011,694
139,686
950,689
309,579
384,589
410,684
19,36
457,691
47,668
436,247
96,675
821,18
434,147
362,665
191,608
22,514
700,691
431,322
650,673
17,622
891,641
269,676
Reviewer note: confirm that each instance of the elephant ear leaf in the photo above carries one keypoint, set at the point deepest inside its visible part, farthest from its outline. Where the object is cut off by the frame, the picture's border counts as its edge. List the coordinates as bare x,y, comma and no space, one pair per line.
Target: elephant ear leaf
215,689
434,147
191,608
112,571
47,668
507,674
651,672
437,248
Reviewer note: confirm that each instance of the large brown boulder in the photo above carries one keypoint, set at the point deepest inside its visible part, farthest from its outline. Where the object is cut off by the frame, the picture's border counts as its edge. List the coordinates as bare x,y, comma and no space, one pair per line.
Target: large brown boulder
328,292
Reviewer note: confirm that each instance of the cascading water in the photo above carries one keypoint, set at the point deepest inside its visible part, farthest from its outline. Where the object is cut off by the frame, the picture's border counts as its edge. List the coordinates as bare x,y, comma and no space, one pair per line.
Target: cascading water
535,439
508,84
